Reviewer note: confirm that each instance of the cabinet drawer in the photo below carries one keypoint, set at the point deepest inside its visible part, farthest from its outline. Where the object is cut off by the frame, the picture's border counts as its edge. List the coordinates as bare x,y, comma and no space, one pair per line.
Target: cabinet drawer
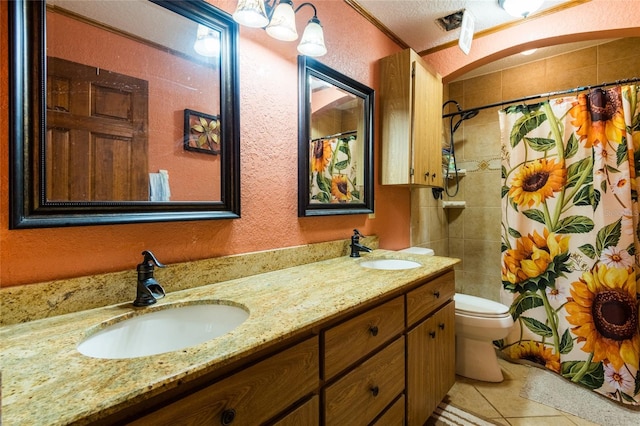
358,397
352,340
426,299
255,394
308,414
394,416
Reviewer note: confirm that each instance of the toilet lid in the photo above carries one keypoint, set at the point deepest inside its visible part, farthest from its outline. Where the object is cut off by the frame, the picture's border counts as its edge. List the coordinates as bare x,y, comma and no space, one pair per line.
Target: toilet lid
479,306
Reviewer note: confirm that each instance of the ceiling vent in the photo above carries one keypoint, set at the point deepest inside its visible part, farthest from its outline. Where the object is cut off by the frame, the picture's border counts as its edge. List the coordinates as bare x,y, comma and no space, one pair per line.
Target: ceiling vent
451,22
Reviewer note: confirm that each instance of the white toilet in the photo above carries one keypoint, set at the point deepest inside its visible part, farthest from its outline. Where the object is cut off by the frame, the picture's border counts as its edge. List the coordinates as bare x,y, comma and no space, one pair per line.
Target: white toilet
478,323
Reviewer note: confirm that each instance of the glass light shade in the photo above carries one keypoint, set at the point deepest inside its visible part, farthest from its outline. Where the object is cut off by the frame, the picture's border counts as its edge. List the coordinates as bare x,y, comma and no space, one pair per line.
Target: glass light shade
207,42
312,42
520,8
283,22
251,13
528,52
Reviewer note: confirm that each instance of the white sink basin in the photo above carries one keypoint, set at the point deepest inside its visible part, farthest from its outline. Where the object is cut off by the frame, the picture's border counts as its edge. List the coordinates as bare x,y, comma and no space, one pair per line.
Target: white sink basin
164,330
390,264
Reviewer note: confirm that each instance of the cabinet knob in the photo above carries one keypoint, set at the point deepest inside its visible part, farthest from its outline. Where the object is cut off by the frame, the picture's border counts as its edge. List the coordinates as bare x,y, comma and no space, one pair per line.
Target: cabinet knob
227,416
426,175
436,294
373,330
441,325
433,176
375,391
432,334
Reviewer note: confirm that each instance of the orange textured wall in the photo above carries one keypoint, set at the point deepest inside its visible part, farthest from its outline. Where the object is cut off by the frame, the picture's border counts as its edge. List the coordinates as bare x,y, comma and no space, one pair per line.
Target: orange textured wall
269,155
595,19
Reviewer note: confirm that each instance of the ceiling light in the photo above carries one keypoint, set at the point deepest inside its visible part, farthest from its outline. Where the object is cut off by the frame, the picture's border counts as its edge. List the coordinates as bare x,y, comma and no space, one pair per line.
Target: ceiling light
520,8
528,52
279,21
207,41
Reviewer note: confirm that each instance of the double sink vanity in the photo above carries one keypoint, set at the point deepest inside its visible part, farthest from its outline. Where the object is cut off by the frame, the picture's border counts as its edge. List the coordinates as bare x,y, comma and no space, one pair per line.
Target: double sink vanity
337,341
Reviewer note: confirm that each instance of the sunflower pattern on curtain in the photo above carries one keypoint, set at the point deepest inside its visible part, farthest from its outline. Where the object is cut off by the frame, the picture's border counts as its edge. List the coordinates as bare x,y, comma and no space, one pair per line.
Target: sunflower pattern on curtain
570,238
334,171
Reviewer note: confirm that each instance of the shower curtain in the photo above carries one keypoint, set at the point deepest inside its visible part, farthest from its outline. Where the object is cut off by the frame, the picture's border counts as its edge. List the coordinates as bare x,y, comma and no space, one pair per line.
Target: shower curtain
570,253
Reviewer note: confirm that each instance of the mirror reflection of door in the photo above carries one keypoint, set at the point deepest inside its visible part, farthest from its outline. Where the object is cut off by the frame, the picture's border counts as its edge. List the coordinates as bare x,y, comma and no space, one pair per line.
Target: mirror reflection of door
97,140
157,48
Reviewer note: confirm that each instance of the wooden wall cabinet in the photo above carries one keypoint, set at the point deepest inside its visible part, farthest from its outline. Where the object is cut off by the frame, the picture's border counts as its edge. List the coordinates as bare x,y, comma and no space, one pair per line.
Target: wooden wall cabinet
411,115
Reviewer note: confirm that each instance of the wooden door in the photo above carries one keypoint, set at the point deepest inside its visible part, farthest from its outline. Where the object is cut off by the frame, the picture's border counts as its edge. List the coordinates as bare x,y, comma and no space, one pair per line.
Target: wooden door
97,134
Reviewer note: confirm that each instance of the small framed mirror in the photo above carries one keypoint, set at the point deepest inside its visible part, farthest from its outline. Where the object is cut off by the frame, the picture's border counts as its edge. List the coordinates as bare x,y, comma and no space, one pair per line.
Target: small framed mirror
335,142
122,112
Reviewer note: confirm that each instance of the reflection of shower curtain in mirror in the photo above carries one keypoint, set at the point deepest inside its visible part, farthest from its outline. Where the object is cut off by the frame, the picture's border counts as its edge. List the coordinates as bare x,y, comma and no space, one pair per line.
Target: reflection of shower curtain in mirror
335,176
570,237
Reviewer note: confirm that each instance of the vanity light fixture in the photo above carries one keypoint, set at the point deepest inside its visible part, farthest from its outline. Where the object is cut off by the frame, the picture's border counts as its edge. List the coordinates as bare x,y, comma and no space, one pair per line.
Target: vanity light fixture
520,8
279,22
207,41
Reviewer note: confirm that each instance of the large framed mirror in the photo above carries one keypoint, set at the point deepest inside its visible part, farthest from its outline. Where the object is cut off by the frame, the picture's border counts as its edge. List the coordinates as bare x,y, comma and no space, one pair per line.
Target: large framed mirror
335,142
122,112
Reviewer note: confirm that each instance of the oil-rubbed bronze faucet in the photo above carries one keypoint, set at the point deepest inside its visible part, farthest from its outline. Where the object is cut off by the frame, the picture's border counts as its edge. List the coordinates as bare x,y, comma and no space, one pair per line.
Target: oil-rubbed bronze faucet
356,247
148,289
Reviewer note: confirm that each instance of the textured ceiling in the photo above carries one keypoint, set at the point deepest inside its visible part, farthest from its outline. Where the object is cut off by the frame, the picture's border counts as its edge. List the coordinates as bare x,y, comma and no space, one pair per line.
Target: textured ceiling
414,22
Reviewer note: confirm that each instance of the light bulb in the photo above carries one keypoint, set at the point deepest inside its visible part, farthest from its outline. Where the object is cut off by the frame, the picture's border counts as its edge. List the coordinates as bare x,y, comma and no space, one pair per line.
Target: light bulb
283,22
251,13
520,8
312,42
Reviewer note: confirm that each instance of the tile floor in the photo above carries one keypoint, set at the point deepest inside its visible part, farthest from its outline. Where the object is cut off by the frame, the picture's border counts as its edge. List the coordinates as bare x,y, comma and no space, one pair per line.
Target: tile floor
502,403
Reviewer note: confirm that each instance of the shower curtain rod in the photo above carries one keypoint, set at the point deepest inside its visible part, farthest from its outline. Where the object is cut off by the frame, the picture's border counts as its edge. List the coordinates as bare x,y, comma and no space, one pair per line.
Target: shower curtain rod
542,95
350,132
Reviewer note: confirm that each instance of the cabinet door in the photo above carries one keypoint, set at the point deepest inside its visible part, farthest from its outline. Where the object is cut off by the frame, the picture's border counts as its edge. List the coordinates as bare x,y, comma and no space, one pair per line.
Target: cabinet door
445,319
430,364
395,127
251,396
427,126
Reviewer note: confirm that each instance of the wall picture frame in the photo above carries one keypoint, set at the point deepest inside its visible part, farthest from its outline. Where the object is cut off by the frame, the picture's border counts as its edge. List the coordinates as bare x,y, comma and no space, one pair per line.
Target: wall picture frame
201,132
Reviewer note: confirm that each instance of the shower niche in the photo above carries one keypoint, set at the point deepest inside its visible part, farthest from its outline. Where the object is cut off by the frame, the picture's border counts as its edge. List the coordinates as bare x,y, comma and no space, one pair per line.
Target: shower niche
411,102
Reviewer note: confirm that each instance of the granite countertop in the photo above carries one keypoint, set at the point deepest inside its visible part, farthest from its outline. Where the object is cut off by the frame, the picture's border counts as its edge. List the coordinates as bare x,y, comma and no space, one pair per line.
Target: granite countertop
46,381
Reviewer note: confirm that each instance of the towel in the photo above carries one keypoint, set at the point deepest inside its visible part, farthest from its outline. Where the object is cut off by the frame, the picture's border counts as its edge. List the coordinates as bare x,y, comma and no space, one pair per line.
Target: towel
159,186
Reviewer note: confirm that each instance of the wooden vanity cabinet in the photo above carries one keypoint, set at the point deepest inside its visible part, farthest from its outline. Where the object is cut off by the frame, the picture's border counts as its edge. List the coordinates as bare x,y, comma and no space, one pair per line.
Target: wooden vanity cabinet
430,347
411,105
386,364
252,396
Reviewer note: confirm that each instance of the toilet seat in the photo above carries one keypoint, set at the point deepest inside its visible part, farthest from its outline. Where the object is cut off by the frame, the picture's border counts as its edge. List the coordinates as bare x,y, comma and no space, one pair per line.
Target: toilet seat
466,304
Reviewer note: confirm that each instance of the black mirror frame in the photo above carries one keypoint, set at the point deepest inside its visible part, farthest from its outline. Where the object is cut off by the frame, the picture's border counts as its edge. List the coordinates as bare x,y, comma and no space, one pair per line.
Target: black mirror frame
308,67
27,125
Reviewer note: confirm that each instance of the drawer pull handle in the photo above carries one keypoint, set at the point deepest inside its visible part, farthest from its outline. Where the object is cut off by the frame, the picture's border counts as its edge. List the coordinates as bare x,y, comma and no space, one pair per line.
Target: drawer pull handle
375,391
228,416
373,330
441,325
432,334
436,294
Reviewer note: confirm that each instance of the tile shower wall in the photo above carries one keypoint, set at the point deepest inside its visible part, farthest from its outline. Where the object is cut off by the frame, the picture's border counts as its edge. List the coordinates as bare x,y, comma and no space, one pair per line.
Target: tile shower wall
473,233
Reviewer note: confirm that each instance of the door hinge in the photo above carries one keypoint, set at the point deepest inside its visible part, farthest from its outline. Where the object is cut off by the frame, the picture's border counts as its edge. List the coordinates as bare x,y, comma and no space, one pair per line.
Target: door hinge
411,171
